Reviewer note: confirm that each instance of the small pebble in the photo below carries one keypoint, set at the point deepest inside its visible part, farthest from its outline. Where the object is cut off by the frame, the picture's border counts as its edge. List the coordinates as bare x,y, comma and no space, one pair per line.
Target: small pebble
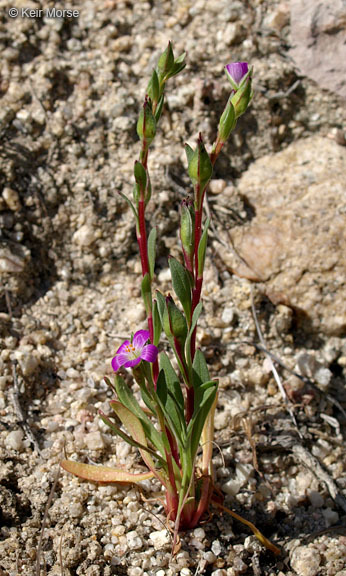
14,440
305,561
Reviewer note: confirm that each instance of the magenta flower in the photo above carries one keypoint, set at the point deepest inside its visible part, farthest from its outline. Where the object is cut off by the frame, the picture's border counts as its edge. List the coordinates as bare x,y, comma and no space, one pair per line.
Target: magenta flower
131,353
236,72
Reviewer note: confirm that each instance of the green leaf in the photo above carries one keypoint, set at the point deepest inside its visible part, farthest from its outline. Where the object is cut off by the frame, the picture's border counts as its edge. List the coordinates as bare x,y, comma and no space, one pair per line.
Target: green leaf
129,401
159,108
161,305
146,293
152,251
200,370
128,439
153,89
134,427
131,206
181,281
103,473
172,380
189,153
203,404
170,410
195,316
157,326
202,248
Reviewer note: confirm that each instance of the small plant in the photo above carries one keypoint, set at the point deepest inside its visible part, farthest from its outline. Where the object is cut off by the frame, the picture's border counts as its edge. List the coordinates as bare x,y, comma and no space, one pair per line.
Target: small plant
173,427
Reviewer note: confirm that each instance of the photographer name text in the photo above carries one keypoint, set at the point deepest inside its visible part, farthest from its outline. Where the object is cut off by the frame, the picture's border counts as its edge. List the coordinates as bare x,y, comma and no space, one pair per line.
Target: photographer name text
43,13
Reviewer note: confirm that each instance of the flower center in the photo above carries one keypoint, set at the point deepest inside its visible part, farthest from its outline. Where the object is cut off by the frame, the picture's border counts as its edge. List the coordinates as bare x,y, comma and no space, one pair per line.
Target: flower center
131,351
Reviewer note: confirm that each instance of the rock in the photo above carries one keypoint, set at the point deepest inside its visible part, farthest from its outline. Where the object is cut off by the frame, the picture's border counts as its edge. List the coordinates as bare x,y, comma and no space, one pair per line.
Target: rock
11,198
317,33
278,18
94,441
28,363
11,262
159,538
305,561
14,440
84,236
296,193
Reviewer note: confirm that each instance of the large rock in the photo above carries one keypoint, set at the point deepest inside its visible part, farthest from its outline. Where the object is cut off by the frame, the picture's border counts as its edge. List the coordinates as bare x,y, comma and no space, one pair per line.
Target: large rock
318,32
296,243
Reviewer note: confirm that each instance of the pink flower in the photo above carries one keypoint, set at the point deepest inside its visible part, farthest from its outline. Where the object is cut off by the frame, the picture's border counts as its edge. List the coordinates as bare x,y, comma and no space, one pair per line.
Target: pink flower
236,72
131,353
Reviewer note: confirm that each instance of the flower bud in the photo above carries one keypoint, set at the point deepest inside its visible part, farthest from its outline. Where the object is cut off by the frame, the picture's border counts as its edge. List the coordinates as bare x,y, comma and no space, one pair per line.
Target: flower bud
166,61
236,72
242,98
187,232
146,125
227,122
174,323
200,167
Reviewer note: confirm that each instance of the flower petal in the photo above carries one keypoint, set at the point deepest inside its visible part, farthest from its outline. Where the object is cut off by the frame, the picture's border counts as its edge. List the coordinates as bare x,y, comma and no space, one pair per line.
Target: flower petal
132,363
149,353
124,345
237,70
140,338
119,360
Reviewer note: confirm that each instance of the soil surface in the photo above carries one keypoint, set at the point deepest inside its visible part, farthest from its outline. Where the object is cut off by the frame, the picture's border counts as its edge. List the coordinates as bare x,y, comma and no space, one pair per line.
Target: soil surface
71,89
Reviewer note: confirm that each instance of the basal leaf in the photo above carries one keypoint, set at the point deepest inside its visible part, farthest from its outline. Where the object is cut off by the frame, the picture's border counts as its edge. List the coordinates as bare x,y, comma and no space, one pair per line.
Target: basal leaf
127,398
103,473
134,427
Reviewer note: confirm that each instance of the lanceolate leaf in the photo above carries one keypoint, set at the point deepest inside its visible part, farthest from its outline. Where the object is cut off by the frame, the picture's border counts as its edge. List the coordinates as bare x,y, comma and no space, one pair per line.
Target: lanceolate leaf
170,409
200,372
172,380
202,247
146,293
103,473
203,402
181,281
156,323
152,251
127,399
128,438
196,314
134,427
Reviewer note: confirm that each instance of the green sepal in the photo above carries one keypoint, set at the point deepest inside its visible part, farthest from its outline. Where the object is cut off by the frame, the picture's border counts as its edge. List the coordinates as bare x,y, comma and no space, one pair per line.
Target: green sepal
242,98
153,89
202,248
182,284
146,293
128,400
152,251
157,326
